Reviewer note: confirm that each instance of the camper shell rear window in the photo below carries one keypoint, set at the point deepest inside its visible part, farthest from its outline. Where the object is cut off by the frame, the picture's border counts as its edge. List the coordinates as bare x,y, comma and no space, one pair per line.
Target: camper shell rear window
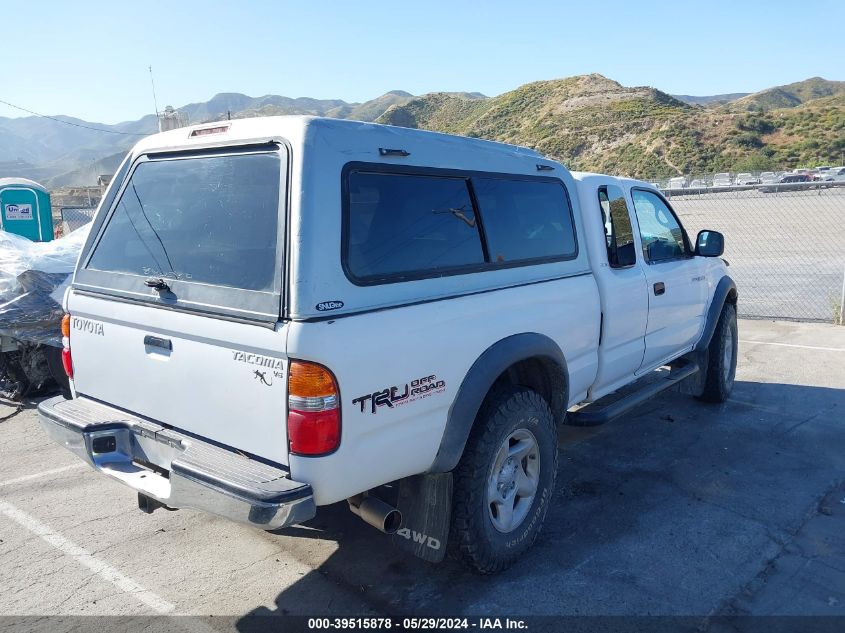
209,226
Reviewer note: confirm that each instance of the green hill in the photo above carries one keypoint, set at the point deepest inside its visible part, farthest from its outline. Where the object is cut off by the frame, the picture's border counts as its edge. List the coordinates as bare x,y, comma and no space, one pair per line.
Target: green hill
336,109
592,123
790,95
711,100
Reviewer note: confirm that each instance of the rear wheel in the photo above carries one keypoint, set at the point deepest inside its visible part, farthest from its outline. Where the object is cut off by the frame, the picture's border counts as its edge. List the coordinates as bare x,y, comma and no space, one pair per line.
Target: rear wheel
505,480
721,357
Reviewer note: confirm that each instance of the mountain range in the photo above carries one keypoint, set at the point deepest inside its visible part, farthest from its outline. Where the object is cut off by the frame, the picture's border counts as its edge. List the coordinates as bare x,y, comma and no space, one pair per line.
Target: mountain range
589,122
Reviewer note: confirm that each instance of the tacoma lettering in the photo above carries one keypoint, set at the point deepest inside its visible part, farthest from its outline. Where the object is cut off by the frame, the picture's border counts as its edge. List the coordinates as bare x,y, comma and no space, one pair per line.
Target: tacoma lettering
257,359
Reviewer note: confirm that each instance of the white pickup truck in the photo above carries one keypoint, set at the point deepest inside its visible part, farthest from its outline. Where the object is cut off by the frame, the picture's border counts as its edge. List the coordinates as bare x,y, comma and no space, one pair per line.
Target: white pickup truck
276,314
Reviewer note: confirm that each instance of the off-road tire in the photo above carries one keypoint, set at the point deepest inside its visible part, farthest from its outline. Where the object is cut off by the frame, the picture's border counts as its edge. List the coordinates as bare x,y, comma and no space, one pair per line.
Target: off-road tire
721,371
473,537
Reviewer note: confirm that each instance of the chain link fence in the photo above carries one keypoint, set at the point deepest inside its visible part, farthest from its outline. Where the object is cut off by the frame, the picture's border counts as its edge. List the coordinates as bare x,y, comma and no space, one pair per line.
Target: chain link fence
785,244
75,217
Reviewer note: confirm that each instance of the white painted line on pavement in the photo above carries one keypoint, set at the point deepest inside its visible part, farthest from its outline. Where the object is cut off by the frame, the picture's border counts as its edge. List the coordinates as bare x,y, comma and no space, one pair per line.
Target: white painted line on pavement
102,569
45,473
825,349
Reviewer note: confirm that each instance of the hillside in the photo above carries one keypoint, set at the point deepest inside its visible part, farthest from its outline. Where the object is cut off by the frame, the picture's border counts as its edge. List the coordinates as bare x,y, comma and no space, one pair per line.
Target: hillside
88,172
790,95
711,100
593,123
590,122
59,154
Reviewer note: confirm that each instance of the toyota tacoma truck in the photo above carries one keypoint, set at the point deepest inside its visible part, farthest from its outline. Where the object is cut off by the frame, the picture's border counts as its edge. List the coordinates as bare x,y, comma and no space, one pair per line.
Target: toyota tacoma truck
276,314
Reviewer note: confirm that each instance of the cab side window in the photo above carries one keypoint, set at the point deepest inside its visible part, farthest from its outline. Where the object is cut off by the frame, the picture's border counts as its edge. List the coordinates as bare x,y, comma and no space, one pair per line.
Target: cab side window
619,235
662,235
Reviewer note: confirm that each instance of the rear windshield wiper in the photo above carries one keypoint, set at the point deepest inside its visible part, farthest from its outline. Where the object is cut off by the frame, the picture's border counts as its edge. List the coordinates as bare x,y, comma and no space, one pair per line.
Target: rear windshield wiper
157,283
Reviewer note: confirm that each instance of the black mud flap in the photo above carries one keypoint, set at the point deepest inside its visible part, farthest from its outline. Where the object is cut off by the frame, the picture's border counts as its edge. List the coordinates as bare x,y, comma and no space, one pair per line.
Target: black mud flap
694,385
425,502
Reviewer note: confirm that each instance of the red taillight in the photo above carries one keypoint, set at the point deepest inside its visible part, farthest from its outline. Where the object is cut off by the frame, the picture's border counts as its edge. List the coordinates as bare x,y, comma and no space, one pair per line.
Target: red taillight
67,361
311,433
313,409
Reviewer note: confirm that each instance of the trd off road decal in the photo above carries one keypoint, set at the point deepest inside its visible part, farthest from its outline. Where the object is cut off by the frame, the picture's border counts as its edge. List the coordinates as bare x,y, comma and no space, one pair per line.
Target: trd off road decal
396,396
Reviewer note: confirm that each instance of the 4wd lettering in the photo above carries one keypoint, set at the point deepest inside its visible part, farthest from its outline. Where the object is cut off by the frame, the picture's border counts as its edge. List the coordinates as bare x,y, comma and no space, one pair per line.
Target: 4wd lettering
395,396
86,325
419,537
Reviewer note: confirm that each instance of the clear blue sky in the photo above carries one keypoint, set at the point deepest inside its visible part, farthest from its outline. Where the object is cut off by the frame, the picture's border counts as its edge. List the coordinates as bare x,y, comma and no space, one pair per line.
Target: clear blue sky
89,59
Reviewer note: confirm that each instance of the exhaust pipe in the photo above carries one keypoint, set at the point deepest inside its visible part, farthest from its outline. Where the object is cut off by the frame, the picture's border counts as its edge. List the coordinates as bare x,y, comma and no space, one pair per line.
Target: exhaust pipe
376,512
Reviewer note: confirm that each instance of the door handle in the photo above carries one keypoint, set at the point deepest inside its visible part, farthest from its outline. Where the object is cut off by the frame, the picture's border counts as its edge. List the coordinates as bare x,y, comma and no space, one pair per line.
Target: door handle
154,341
659,288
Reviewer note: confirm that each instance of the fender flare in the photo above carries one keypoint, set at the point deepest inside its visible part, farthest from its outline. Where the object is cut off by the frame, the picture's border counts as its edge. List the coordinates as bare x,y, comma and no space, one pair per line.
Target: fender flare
724,288
481,377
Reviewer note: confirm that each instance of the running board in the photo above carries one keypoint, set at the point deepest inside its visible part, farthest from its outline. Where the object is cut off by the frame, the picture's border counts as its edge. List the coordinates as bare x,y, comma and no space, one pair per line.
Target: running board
597,413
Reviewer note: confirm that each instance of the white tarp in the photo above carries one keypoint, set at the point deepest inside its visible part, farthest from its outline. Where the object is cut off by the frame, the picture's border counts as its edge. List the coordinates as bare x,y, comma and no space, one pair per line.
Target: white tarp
33,277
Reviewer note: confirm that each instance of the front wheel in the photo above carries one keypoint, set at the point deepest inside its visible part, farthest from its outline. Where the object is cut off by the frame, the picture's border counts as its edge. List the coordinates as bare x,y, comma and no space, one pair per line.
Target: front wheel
721,357
505,480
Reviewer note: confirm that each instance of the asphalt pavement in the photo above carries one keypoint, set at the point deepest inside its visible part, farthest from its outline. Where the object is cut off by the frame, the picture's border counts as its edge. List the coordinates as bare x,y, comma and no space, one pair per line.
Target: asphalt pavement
680,508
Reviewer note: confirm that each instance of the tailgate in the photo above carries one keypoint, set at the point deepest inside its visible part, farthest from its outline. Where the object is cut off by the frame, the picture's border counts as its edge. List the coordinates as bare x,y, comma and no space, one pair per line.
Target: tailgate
176,301
221,380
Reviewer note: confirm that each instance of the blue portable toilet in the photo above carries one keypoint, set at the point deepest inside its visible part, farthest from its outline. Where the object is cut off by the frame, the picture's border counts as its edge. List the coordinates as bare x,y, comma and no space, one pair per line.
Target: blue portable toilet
25,209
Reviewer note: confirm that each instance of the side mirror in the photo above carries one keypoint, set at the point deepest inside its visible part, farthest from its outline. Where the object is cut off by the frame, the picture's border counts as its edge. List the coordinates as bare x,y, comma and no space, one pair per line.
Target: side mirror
709,244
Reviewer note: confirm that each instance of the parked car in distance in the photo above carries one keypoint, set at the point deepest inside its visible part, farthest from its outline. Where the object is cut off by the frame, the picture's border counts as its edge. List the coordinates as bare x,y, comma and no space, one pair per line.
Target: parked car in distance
768,177
220,360
679,182
788,178
831,174
746,178
793,178
722,180
698,184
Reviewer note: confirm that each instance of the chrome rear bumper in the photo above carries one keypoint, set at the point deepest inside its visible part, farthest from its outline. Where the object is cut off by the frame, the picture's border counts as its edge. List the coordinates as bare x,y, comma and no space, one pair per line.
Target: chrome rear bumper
175,469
